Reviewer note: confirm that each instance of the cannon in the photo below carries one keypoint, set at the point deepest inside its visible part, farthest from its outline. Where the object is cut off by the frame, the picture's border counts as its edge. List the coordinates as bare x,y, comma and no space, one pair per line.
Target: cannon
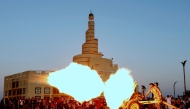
136,101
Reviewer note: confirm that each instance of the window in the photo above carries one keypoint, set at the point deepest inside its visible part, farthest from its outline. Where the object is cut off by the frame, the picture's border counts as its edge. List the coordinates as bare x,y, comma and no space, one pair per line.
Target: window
10,93
38,90
37,83
14,92
46,90
20,83
6,85
13,79
24,91
24,82
13,84
20,91
10,85
6,93
38,72
16,83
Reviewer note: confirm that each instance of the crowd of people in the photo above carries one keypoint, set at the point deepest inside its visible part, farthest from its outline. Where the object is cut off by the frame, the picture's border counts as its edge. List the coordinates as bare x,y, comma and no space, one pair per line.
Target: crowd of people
182,103
61,103
177,102
97,103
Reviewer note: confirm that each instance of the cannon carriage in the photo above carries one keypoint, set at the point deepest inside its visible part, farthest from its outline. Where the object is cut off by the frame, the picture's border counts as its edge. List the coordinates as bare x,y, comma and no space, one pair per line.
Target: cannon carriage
137,101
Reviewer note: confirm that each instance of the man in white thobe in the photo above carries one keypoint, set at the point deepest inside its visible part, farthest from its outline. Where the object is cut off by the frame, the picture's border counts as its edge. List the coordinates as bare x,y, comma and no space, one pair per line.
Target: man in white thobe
168,99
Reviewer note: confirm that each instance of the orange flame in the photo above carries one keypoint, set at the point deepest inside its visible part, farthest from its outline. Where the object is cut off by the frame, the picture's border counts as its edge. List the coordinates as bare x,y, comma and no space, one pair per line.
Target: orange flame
118,88
77,80
83,84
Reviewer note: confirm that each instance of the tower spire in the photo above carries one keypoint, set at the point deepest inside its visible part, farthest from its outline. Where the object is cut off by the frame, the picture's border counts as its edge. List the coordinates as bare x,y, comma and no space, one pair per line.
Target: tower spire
91,16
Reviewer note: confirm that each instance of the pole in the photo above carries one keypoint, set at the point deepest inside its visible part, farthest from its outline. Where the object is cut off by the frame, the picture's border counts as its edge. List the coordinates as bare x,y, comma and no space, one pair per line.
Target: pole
183,63
174,88
184,79
143,92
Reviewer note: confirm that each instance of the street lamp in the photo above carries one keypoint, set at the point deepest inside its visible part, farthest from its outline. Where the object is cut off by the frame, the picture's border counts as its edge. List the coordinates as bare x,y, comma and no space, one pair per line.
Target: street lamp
183,63
174,88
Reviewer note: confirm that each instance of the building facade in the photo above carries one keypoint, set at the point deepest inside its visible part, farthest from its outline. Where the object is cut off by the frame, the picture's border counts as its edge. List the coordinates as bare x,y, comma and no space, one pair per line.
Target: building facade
29,84
91,57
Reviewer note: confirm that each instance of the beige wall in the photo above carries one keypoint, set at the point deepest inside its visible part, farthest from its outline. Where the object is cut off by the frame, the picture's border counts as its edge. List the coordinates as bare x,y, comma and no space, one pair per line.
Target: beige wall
29,80
38,80
20,77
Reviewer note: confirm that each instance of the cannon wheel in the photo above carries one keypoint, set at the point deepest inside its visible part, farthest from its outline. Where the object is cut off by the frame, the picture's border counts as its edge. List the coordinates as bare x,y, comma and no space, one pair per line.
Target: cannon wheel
133,104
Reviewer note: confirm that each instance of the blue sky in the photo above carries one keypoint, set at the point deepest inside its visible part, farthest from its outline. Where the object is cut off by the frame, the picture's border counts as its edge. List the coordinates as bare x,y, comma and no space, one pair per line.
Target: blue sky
151,38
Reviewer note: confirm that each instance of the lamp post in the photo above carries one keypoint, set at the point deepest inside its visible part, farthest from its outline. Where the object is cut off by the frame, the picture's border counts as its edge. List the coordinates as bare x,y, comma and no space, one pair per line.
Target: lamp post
174,88
183,63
